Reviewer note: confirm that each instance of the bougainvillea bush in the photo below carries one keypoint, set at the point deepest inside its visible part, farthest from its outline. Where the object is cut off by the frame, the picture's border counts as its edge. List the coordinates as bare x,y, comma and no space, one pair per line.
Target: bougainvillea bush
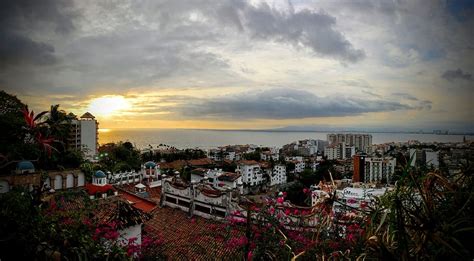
280,231
427,216
54,231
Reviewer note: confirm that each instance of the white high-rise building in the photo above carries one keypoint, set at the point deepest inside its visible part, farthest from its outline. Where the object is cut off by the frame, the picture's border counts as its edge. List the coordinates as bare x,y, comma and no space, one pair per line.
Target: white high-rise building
84,135
362,142
379,169
333,152
278,175
251,172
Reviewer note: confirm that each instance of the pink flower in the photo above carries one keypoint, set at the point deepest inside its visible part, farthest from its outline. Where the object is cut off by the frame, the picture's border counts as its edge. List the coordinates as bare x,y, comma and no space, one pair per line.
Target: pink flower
280,200
351,201
284,194
350,237
193,221
287,211
305,191
249,255
272,210
296,212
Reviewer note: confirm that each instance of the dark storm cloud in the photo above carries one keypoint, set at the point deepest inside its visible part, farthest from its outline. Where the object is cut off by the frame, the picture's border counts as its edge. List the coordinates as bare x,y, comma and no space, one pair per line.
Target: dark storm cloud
314,30
18,49
452,75
20,18
308,29
284,104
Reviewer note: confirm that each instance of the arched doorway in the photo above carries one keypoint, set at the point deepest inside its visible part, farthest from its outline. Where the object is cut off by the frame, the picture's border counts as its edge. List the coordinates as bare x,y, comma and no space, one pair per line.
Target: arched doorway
81,180
69,181
58,182
4,186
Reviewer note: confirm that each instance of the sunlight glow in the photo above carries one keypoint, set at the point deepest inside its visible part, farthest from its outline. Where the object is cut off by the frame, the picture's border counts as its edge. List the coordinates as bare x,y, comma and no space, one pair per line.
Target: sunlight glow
108,105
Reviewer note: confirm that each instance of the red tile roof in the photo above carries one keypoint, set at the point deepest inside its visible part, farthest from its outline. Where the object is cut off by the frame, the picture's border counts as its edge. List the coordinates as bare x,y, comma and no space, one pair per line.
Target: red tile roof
264,164
189,238
200,162
144,205
248,162
176,165
229,176
92,189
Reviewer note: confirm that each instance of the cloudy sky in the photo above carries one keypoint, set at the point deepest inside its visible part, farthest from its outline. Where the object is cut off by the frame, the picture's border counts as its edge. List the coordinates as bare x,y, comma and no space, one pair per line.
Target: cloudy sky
244,64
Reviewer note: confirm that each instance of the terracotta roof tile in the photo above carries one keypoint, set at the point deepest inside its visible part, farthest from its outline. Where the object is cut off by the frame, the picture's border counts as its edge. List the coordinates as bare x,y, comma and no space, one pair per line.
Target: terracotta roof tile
188,239
200,162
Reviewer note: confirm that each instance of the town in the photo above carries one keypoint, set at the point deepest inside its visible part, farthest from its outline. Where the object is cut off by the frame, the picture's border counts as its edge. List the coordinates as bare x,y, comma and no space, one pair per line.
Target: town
158,191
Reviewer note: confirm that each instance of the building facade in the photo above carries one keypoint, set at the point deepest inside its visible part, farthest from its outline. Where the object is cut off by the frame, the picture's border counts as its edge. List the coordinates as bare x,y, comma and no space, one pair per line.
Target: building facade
84,135
278,175
361,142
379,169
251,172
359,168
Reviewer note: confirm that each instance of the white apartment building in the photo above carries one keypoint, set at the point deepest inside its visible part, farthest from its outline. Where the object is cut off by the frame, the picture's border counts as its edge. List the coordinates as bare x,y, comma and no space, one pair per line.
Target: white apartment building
217,178
378,169
332,152
231,180
339,151
295,158
84,135
230,155
278,175
215,154
269,155
362,142
299,166
349,151
251,172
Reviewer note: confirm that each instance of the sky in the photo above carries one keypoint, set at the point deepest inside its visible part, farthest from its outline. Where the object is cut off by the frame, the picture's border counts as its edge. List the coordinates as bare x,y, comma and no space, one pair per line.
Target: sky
237,64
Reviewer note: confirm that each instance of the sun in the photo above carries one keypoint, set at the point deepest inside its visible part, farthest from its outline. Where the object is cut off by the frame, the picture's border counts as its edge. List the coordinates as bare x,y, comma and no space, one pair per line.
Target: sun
108,105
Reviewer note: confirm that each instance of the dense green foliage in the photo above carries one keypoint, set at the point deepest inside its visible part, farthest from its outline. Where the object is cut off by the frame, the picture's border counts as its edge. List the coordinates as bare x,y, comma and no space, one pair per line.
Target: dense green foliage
122,156
52,230
186,154
40,137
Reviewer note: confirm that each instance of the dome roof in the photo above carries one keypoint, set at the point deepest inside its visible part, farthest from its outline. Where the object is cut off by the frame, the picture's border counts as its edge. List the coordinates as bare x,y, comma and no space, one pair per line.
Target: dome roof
99,174
25,165
150,164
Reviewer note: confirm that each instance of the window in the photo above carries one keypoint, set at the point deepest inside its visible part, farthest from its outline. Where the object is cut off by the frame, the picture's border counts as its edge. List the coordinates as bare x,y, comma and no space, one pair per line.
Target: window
171,200
183,203
202,209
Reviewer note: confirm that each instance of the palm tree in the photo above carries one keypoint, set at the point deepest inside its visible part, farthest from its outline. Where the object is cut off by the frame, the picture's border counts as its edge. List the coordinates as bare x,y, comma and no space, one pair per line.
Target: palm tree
59,123
34,126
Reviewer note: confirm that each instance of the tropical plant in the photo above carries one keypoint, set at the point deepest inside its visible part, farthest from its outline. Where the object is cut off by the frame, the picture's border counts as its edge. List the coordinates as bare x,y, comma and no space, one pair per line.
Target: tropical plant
427,217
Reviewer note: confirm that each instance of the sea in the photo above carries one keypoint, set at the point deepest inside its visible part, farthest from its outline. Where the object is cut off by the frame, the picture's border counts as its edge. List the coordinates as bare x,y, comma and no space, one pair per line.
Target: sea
205,139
